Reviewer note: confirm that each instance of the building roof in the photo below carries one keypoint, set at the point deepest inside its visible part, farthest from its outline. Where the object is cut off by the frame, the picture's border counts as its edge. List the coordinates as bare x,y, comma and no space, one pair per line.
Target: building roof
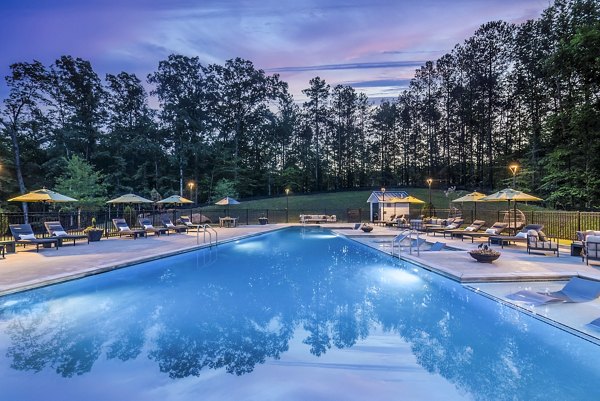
390,196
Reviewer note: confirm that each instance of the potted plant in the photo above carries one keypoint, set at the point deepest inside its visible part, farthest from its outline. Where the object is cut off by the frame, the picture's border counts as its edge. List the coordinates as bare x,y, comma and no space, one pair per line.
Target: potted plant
94,233
263,220
484,254
366,228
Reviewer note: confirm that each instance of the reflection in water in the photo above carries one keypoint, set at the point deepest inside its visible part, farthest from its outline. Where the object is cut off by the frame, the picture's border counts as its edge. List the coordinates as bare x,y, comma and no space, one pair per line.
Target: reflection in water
242,306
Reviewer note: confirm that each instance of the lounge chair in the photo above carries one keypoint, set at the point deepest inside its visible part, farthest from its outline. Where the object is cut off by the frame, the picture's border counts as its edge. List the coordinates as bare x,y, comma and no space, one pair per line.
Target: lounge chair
23,234
521,236
576,290
188,223
56,230
437,246
471,228
149,227
456,223
123,229
168,224
494,230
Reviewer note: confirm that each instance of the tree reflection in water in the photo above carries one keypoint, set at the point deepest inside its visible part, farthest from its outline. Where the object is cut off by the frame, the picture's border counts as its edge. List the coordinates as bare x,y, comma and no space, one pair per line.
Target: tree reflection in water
244,306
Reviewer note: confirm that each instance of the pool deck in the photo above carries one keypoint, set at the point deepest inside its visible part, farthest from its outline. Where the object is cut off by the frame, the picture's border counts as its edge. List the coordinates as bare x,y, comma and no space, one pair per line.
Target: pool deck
513,271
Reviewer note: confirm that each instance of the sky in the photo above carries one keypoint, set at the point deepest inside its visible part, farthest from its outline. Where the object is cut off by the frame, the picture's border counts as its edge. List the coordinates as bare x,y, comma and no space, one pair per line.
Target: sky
373,45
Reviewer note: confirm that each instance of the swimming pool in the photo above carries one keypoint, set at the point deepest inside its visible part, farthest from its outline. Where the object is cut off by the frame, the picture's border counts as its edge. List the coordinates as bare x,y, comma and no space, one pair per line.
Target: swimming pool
297,314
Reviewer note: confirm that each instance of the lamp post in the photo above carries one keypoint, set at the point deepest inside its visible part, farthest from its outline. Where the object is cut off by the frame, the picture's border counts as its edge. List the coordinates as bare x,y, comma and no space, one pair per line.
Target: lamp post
191,187
287,205
383,204
514,168
429,181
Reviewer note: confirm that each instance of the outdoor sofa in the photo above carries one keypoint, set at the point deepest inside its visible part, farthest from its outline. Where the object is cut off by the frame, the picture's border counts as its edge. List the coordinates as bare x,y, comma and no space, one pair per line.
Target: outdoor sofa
317,218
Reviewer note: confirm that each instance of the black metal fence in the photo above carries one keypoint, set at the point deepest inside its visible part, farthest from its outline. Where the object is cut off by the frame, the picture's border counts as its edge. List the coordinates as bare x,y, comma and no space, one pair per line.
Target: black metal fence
559,224
76,222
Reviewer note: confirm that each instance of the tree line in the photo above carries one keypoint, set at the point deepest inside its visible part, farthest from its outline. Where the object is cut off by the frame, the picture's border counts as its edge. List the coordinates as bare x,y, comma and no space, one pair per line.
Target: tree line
526,93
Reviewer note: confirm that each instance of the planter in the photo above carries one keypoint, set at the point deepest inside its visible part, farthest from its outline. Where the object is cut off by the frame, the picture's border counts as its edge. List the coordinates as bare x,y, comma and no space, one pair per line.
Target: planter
263,221
367,229
95,235
484,257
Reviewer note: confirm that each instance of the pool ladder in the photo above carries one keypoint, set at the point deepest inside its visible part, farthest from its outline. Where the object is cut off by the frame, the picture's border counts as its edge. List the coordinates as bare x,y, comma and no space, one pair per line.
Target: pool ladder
206,228
412,236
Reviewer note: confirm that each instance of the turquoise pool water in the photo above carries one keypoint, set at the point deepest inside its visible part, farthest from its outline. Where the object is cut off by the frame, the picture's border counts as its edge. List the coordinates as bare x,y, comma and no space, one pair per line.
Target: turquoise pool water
298,314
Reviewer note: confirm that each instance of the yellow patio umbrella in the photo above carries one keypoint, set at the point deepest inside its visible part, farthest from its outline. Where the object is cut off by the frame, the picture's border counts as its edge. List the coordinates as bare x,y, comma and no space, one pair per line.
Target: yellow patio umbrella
509,194
472,197
42,195
411,199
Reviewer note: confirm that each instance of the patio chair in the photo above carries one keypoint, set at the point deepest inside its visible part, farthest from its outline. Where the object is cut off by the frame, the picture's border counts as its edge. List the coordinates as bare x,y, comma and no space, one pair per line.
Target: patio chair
385,222
23,234
188,223
542,242
123,229
168,224
521,236
591,248
497,228
471,228
576,290
56,230
149,227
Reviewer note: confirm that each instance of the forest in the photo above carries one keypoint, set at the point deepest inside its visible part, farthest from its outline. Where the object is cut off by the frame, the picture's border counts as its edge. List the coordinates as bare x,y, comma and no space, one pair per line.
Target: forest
511,93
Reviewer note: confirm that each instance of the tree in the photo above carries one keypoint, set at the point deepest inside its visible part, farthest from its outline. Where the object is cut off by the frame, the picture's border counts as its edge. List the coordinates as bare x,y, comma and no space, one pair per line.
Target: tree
81,181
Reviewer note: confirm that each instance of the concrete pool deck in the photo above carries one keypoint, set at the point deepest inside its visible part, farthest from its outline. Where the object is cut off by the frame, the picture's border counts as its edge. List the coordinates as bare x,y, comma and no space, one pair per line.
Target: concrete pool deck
514,271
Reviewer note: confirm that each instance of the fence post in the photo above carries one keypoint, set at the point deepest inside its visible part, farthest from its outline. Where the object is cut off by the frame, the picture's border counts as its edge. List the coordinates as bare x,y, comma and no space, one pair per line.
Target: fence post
246,216
578,220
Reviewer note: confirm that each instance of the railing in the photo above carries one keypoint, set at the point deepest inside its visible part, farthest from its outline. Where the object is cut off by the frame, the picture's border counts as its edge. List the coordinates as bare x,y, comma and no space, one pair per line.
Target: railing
560,224
413,238
205,228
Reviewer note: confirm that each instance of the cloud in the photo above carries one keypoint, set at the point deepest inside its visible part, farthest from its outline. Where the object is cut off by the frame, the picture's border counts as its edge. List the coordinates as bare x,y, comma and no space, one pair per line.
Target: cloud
348,66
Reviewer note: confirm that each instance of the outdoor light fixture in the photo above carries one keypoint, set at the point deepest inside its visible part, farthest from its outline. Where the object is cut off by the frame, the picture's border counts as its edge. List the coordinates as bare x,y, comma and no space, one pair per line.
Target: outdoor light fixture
191,186
383,204
429,182
287,205
513,168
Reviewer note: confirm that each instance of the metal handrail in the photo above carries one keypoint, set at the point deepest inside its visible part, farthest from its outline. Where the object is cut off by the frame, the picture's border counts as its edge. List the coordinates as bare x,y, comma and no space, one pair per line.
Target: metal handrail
205,228
404,235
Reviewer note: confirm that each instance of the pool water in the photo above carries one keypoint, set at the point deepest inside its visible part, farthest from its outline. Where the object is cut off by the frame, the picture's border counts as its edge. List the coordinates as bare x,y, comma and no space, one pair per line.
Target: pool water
297,314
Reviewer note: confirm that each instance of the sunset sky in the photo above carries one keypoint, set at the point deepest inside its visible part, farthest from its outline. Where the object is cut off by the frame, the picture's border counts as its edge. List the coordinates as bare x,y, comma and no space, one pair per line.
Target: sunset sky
373,45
